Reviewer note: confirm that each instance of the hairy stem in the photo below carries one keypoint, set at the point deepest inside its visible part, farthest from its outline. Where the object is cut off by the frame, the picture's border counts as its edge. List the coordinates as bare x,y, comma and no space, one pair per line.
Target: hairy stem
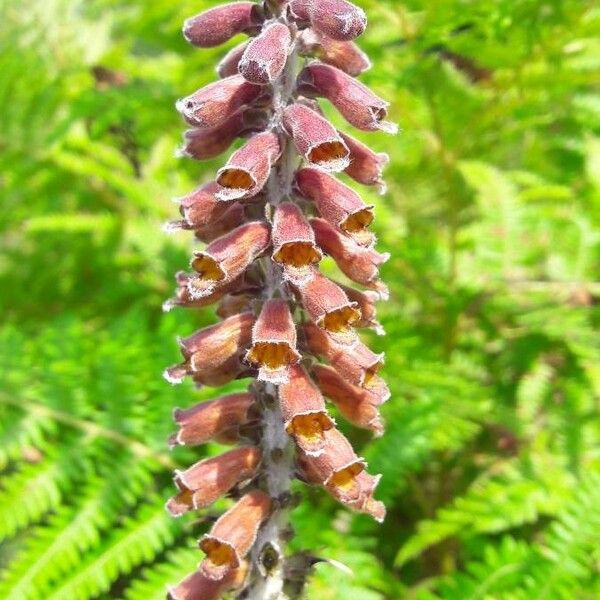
267,581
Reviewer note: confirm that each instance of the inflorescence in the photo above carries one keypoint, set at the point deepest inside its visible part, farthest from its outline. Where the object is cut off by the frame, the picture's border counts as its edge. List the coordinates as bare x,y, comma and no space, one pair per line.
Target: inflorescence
270,216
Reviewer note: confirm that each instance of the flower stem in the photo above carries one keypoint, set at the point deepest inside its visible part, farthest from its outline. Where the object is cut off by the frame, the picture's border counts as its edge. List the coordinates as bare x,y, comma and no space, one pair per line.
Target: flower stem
267,580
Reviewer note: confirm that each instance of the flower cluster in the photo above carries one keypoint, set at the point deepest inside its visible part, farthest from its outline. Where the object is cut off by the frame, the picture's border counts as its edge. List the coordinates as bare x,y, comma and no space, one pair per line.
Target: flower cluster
271,214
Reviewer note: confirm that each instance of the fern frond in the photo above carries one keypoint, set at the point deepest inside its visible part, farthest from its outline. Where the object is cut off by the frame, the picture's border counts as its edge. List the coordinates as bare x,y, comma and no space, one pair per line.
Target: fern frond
520,493
142,537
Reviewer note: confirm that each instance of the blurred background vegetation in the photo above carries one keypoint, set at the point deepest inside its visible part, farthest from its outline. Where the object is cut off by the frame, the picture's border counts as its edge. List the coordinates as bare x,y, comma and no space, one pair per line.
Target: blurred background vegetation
491,461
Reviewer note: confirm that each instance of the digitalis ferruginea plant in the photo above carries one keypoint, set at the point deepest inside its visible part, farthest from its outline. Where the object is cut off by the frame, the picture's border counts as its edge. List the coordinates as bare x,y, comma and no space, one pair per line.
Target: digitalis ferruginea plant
273,211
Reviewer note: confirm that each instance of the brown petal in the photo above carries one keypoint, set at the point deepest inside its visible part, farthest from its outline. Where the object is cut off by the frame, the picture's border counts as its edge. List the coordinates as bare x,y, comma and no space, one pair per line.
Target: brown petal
228,257
366,166
303,411
338,19
355,101
248,169
356,404
356,262
315,138
266,55
356,363
198,586
215,26
213,104
206,481
337,203
274,342
233,535
329,307
294,245
207,420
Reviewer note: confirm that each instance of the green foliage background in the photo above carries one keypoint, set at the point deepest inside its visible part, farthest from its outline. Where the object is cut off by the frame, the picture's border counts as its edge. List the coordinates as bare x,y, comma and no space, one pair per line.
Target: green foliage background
491,461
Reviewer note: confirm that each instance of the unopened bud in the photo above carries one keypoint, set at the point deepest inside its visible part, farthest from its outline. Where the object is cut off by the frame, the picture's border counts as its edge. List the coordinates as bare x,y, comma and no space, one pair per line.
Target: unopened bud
265,56
217,25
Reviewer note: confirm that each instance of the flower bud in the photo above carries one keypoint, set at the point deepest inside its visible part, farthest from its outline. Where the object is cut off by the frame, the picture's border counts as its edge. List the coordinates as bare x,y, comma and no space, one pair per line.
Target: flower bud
356,102
303,411
346,56
356,404
201,207
206,481
315,138
274,342
294,245
208,420
248,169
206,143
356,363
213,354
228,257
265,56
198,586
356,262
217,25
233,216
366,166
233,535
230,63
329,307
298,11
235,303
337,203
337,19
213,104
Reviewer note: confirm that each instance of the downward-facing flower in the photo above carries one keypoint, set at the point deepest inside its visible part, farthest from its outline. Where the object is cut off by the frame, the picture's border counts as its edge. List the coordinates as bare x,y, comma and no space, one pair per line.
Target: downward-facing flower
358,263
273,348
198,586
315,138
212,105
272,213
343,475
338,19
210,420
213,354
208,480
205,143
337,203
232,536
248,169
226,258
304,412
356,404
294,246
264,58
356,362
356,102
346,56
366,166
217,25
329,307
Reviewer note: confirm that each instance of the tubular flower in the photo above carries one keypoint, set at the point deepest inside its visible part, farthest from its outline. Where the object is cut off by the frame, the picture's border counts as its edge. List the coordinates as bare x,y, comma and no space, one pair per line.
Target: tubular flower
273,210
338,204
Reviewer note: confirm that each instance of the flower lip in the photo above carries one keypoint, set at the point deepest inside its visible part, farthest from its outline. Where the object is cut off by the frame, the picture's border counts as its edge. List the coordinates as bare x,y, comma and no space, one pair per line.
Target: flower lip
315,138
307,429
236,178
340,320
221,557
297,254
